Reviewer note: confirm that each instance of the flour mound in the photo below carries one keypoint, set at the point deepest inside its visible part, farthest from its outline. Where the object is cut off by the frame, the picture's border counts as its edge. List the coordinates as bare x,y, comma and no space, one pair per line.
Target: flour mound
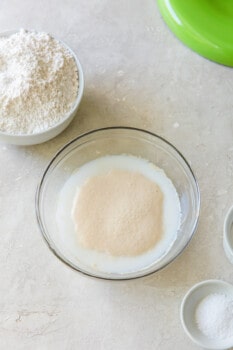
38,82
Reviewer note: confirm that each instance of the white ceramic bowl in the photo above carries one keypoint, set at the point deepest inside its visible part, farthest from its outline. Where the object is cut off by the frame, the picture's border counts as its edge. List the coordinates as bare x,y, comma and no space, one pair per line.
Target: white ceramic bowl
228,235
32,139
188,309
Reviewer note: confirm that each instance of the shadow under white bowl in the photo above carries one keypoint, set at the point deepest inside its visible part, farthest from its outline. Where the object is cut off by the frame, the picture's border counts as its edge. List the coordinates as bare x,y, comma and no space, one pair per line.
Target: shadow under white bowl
188,309
33,139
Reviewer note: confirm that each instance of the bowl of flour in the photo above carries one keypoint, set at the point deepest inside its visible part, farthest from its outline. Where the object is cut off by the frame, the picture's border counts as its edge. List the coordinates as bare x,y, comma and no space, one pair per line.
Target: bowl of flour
41,87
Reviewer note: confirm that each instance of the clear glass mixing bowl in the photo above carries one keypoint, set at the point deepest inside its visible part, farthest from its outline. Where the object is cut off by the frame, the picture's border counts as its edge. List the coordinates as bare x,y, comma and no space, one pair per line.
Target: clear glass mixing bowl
115,141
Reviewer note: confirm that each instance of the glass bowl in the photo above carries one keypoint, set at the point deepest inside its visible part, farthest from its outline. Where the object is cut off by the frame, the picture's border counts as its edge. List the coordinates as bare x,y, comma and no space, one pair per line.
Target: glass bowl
116,141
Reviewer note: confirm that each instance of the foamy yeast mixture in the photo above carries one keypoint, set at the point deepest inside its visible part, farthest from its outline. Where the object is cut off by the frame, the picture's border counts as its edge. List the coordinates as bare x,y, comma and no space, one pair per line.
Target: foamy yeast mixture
126,213
118,214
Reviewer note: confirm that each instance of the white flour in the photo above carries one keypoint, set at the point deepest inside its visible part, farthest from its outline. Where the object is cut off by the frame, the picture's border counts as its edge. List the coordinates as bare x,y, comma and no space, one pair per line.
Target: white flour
38,82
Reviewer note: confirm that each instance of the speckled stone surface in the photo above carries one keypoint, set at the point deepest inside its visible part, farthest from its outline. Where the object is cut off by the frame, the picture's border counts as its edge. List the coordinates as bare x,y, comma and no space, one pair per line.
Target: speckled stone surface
137,73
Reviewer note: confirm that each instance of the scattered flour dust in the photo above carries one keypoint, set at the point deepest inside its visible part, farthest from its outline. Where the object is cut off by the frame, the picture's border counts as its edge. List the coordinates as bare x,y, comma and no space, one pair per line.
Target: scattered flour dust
38,82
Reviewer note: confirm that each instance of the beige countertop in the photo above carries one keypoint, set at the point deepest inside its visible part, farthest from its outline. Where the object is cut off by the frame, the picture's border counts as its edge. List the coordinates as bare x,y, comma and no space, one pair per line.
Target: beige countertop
137,74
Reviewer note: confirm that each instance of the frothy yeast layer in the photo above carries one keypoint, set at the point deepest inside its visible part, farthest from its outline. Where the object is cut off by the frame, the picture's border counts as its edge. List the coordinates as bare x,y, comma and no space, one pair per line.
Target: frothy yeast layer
104,262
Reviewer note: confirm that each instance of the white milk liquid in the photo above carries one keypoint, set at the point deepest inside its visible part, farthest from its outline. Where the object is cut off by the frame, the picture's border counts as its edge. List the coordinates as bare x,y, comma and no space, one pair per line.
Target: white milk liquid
102,261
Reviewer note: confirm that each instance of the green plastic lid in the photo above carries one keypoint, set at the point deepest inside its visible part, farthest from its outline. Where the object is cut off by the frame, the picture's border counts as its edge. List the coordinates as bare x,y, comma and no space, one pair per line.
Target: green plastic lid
206,26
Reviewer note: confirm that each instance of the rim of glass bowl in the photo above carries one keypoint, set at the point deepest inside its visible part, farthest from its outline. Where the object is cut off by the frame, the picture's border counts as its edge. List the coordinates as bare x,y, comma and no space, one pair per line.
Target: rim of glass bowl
59,255
78,98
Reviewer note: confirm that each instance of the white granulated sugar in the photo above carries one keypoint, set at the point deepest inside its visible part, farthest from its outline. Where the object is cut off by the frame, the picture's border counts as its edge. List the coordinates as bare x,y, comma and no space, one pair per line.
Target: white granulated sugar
214,316
38,82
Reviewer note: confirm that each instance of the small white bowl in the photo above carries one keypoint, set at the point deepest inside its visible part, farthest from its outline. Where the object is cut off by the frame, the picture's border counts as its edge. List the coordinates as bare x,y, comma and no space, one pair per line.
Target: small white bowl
228,235
33,139
188,309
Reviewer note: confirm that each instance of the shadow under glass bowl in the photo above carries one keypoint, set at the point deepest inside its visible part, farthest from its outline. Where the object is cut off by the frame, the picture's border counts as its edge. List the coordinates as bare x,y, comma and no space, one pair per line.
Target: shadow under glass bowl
116,141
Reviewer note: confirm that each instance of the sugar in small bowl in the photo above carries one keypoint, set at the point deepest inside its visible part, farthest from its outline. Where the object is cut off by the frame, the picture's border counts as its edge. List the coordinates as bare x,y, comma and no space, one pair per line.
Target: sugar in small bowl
207,314
41,86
